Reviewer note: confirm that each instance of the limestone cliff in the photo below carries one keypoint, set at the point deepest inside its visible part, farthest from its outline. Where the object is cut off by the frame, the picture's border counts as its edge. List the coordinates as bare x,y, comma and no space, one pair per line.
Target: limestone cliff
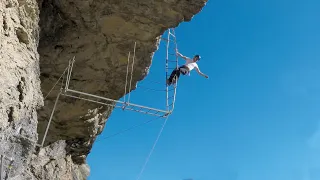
37,38
20,94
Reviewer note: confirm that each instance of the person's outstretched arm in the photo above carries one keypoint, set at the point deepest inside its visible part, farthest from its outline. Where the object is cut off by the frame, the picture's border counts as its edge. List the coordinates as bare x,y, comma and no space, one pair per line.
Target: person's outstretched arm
183,57
202,74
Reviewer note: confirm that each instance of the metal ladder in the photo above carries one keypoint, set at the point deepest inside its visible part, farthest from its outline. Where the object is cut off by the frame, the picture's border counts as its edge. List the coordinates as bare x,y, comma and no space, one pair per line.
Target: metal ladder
171,63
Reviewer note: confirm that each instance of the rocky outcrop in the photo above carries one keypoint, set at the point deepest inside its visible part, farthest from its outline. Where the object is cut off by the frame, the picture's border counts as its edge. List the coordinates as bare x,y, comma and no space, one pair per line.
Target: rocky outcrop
20,94
53,162
99,33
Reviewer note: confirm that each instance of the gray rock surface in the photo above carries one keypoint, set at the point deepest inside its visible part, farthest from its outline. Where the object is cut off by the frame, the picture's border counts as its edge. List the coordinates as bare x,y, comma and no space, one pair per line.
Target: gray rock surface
20,94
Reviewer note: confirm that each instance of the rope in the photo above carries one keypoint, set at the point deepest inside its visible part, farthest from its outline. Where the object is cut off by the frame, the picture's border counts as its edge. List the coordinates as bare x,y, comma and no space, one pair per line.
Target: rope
55,83
48,125
128,129
153,147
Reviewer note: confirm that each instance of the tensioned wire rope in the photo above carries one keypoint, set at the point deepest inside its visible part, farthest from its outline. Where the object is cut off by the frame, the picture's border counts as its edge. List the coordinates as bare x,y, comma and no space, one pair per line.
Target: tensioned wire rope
152,149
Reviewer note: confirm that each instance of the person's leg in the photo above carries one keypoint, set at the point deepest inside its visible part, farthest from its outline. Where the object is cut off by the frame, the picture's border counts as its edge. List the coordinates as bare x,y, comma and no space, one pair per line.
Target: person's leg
174,76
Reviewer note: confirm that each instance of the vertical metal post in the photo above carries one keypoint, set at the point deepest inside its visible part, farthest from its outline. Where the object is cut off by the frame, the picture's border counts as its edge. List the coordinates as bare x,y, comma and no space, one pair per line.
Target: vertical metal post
48,125
167,59
70,67
72,62
62,82
125,88
177,58
67,75
134,55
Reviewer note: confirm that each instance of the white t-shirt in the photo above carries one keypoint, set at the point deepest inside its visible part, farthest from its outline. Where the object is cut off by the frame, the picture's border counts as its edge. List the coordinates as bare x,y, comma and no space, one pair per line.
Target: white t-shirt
190,64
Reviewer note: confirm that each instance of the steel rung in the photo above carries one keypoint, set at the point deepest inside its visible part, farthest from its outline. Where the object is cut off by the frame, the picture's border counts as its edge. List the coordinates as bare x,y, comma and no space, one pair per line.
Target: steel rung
171,97
172,34
146,112
165,39
108,99
127,105
90,100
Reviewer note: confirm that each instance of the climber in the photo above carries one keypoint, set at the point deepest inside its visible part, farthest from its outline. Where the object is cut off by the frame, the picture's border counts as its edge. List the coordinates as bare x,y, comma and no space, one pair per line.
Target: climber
185,69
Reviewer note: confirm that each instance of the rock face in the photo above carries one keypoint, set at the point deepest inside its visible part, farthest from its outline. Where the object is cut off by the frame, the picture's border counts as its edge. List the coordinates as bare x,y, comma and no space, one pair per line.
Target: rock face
99,33
20,94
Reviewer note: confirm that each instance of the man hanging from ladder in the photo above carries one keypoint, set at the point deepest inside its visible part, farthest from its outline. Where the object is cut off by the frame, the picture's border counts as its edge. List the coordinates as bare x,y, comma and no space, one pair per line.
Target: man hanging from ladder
185,69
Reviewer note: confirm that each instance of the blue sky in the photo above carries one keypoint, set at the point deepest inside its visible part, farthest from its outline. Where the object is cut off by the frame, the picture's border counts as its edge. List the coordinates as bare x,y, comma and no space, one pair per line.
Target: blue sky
255,118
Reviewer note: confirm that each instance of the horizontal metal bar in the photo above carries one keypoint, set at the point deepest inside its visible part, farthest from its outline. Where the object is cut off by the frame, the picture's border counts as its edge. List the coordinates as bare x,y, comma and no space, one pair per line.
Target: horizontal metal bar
112,105
172,34
99,97
153,109
145,112
112,100
166,39
86,99
171,97
132,109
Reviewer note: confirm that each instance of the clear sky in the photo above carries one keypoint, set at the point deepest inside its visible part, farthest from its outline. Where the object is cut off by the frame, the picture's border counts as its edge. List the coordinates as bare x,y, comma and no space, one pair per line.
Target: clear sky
255,118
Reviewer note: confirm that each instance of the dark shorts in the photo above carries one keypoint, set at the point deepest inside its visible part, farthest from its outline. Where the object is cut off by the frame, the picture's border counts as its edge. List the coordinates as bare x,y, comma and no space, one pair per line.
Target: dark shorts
176,72
184,69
